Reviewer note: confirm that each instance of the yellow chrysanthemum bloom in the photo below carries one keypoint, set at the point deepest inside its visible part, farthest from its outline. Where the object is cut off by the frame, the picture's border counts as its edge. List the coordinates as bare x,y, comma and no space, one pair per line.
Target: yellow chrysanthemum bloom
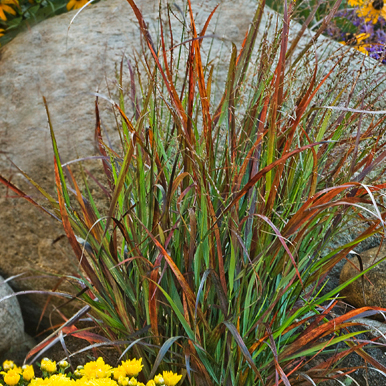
28,372
119,372
38,382
53,380
47,365
132,367
76,4
11,378
159,380
4,7
170,378
94,382
140,384
8,365
96,369
150,383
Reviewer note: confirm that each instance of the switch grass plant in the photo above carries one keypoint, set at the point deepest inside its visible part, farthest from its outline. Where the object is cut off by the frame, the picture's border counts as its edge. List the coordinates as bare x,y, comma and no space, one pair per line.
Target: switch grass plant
213,253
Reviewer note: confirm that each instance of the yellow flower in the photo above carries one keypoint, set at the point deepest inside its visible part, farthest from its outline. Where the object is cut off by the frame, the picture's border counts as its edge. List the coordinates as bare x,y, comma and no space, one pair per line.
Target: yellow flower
132,367
119,372
159,380
28,372
140,384
370,10
133,382
94,382
8,365
123,381
63,364
355,3
170,378
47,365
6,8
37,382
11,378
356,41
75,4
53,380
96,369
150,383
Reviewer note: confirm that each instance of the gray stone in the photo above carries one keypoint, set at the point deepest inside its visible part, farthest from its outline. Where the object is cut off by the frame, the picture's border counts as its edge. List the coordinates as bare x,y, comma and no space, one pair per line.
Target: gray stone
376,329
19,351
11,320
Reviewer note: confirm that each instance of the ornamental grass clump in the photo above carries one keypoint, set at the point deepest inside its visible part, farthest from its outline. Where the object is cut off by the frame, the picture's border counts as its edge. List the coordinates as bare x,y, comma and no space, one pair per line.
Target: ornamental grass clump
94,373
212,255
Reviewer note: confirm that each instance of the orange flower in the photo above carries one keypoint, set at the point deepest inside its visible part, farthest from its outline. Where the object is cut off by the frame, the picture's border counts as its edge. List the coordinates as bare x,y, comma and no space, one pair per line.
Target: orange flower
75,4
4,7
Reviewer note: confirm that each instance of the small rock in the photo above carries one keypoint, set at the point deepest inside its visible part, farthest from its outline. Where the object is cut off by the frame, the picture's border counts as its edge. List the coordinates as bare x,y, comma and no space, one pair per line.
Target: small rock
11,320
372,291
376,329
18,352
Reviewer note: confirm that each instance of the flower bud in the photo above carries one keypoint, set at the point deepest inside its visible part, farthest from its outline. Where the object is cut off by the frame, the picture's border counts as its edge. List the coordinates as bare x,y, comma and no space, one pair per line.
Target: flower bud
63,364
8,365
159,380
133,382
47,365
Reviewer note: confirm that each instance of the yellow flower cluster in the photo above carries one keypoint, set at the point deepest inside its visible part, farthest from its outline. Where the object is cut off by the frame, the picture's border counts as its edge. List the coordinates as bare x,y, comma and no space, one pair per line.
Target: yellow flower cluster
370,10
95,373
13,374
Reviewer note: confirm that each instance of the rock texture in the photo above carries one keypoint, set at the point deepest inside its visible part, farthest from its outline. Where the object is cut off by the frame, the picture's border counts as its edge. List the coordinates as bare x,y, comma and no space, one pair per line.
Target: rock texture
372,292
11,321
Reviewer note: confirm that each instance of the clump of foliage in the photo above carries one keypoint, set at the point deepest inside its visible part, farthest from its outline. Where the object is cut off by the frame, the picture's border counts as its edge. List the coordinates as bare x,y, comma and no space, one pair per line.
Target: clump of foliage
19,15
93,373
215,245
